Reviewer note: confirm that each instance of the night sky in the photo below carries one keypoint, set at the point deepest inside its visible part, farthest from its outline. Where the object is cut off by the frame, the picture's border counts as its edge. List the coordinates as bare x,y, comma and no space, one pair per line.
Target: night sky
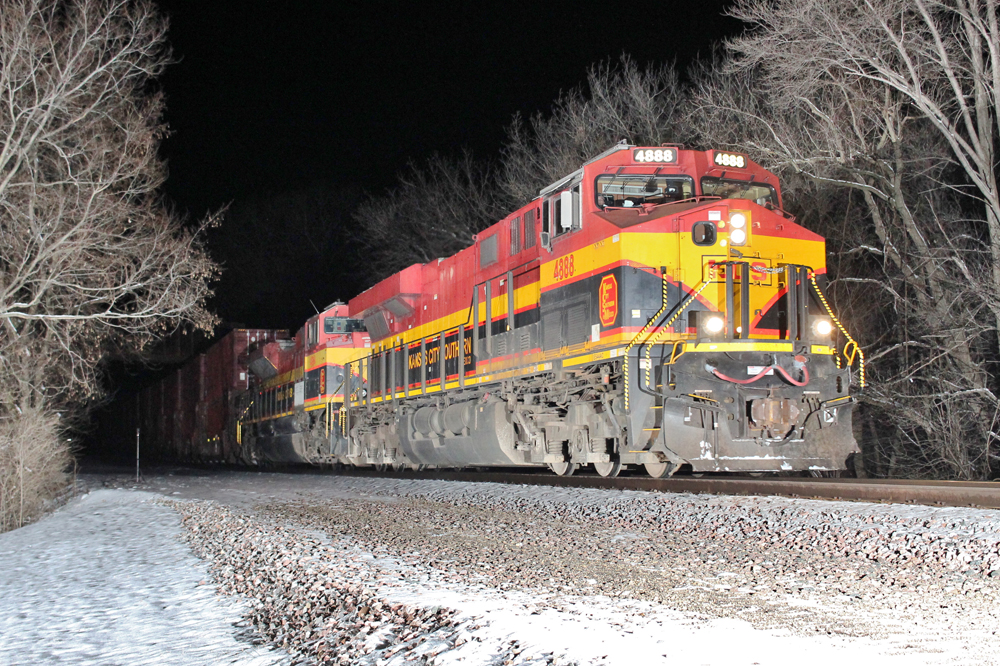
276,96
278,105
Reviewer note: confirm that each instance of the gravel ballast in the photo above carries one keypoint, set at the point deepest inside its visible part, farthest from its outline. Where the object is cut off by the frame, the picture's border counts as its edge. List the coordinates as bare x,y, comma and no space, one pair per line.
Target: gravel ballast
245,568
359,570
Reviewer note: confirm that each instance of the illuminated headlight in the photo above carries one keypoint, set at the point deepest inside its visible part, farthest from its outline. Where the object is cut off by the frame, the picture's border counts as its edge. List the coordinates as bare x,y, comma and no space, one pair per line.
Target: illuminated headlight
715,324
737,236
823,327
738,220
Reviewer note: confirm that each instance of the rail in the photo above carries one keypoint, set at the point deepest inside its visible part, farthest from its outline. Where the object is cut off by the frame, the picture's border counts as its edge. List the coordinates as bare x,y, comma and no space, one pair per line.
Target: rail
981,494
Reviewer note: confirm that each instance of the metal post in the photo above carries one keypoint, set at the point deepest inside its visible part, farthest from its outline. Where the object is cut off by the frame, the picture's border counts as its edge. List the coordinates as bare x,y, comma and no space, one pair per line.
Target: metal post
475,327
393,380
745,299
367,370
461,355
441,358
489,319
792,301
137,455
423,365
406,369
803,303
348,383
510,305
730,314
382,374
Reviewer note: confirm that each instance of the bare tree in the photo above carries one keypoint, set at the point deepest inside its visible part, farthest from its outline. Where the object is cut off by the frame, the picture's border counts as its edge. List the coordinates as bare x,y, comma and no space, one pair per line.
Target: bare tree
433,212
91,259
904,254
642,106
941,58
437,207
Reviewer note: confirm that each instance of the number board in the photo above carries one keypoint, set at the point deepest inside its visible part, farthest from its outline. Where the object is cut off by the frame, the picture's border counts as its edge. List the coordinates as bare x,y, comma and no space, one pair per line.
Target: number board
661,155
730,159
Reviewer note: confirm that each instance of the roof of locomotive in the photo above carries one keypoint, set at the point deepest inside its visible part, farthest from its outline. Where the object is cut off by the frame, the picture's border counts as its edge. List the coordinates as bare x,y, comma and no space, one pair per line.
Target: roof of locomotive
621,158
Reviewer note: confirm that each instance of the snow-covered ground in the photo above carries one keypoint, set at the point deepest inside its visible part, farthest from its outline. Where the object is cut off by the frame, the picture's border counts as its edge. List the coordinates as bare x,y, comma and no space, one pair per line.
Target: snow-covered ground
107,580
332,566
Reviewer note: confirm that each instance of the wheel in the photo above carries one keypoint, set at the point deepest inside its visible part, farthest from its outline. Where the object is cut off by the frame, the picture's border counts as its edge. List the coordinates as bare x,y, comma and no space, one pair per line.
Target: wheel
417,467
659,470
563,468
399,467
381,467
608,469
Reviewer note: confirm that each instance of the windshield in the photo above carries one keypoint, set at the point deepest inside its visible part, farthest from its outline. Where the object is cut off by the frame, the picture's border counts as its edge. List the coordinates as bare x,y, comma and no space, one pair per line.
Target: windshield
739,189
628,190
332,325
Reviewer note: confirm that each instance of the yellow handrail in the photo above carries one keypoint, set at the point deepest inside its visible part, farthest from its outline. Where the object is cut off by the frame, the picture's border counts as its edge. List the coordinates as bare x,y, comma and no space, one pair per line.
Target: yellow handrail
851,342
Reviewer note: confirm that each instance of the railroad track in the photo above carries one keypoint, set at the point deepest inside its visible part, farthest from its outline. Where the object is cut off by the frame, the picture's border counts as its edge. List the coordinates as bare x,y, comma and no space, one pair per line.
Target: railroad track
982,494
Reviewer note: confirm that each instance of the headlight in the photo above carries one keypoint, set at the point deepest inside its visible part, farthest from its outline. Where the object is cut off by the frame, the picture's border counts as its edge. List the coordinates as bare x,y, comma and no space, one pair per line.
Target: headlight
715,324
823,327
738,220
738,236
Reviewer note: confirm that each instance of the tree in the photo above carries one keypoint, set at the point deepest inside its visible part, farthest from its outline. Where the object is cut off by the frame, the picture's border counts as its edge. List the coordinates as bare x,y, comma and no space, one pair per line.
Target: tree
936,59
433,212
641,106
797,94
92,261
437,207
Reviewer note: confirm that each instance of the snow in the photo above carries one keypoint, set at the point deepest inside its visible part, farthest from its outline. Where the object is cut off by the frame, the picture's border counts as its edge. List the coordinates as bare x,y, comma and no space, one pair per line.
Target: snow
600,631
106,580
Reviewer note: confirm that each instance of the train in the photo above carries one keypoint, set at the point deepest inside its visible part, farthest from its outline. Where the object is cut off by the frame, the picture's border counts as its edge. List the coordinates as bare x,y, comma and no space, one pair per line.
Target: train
656,309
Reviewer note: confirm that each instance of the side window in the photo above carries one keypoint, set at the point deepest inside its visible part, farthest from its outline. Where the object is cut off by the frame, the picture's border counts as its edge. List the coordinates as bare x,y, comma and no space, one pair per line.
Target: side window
703,233
529,229
566,214
515,236
312,332
332,325
488,251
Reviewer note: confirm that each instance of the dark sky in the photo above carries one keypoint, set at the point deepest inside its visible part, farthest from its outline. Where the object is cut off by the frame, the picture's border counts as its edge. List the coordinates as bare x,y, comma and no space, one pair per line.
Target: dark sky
275,96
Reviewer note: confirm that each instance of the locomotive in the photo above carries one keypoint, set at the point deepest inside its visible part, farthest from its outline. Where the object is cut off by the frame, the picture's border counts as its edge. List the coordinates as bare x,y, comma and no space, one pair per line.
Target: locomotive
656,308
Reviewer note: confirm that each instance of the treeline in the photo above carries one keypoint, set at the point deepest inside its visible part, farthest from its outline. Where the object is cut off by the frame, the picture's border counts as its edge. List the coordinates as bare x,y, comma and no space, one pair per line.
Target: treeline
93,264
881,118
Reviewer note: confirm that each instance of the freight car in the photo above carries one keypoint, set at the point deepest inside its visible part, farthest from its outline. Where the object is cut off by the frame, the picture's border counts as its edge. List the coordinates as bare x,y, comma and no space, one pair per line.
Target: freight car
655,308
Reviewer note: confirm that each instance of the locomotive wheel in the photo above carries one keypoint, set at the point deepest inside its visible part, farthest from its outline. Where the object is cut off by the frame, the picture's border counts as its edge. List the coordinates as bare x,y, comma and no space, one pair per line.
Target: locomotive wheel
381,467
659,470
608,469
417,467
563,468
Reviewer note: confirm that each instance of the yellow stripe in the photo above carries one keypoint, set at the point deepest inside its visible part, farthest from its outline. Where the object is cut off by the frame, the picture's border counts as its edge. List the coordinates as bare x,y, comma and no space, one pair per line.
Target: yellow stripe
821,349
591,358
749,345
335,356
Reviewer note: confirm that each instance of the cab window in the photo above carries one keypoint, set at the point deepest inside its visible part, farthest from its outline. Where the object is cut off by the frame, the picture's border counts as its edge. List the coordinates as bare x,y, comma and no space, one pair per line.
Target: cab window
629,190
335,325
726,188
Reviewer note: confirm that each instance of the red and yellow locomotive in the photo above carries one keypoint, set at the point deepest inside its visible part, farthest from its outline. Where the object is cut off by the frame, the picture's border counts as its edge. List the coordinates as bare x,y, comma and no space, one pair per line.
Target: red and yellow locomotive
657,307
